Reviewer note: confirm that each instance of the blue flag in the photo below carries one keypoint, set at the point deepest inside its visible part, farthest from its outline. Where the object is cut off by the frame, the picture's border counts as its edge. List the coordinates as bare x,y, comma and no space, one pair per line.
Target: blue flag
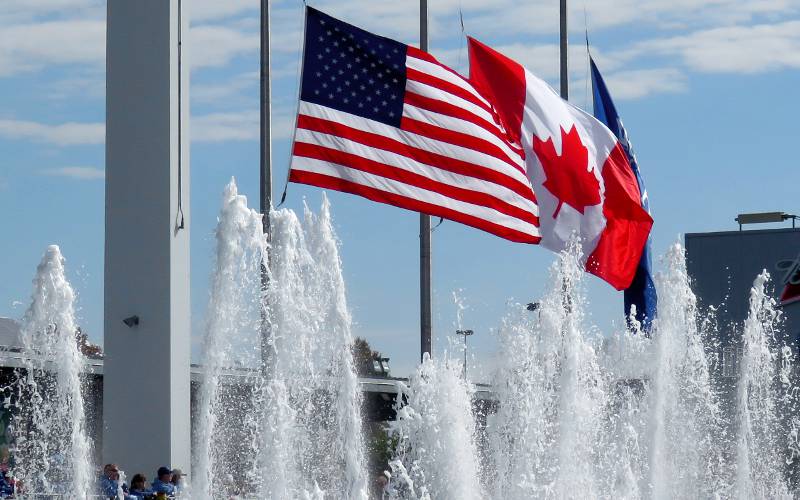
642,292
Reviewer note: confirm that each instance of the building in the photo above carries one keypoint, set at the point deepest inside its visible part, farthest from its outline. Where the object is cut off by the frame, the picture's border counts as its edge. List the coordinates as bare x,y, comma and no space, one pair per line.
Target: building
722,267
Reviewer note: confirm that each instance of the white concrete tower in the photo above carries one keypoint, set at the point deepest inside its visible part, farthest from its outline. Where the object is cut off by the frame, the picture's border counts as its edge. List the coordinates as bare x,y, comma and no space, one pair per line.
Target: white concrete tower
146,381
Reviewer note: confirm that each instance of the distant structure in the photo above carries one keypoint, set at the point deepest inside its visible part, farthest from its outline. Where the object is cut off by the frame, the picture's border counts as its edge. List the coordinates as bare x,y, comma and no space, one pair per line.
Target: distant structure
10,335
723,265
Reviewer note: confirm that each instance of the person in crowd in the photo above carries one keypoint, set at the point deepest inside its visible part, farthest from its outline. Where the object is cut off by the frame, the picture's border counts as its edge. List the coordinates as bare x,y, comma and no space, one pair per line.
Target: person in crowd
6,485
110,483
162,483
382,486
177,480
139,489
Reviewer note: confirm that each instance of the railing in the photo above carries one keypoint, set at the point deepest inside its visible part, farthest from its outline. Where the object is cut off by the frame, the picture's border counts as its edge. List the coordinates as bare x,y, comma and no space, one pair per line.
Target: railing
54,496
59,496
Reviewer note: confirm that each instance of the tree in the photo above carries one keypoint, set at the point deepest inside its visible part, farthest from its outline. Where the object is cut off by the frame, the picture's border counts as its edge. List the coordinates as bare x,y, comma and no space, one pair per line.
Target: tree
88,349
363,356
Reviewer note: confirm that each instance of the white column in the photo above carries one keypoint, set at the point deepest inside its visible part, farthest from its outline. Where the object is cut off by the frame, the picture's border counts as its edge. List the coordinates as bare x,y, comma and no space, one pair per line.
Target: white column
146,381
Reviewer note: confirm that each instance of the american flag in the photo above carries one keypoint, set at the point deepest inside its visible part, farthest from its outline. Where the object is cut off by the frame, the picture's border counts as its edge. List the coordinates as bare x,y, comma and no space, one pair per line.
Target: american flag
386,121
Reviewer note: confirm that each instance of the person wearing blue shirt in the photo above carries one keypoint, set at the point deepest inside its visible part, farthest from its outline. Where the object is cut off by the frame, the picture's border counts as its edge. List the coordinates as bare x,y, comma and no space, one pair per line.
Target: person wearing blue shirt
177,480
139,489
6,488
109,482
162,484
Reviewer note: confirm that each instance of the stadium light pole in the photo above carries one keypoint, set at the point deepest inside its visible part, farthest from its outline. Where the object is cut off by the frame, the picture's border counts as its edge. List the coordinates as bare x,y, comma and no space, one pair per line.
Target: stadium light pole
465,333
424,229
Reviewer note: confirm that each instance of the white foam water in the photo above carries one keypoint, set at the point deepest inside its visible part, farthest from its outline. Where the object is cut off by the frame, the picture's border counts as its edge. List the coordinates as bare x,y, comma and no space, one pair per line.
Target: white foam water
759,456
288,423
684,429
632,416
578,414
544,436
52,452
312,437
436,455
226,438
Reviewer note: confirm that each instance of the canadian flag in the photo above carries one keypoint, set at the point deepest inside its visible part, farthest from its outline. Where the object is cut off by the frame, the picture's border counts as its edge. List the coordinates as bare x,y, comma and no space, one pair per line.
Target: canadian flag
578,170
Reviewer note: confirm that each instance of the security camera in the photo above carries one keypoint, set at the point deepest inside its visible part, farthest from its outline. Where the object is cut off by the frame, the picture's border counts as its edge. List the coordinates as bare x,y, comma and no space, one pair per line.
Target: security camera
131,321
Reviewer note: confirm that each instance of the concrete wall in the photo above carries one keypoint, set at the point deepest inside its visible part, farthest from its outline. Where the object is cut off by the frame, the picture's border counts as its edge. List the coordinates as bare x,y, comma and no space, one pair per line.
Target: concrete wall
146,386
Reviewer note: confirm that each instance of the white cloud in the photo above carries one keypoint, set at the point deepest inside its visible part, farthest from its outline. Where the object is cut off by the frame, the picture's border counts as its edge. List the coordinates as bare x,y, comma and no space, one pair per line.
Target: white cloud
30,47
80,173
27,10
635,84
205,10
239,126
734,49
218,45
225,92
92,84
65,134
223,127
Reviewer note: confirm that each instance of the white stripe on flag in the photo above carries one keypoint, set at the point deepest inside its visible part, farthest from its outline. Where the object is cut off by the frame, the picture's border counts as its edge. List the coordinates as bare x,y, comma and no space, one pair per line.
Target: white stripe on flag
443,74
300,163
458,125
432,145
426,90
337,143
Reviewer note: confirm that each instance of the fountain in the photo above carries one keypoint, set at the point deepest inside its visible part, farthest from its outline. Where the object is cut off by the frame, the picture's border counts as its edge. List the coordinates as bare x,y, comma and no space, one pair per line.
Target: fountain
52,453
436,455
297,419
573,412
759,458
226,437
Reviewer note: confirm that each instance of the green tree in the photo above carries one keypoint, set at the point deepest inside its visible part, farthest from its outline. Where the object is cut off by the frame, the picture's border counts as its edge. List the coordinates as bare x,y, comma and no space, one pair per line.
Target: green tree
363,356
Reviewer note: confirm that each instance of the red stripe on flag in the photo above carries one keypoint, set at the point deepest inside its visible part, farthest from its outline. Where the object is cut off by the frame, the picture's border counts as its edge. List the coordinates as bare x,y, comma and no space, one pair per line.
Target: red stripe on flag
444,85
433,159
458,139
398,174
448,109
501,81
335,183
419,54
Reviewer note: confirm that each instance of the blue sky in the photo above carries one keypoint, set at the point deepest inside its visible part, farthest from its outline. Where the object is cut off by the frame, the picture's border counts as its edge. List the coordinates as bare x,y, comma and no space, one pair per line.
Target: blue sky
707,91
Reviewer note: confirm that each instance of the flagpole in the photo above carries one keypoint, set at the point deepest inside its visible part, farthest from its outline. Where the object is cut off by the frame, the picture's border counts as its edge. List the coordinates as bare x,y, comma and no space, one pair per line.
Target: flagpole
424,228
265,198
563,52
564,77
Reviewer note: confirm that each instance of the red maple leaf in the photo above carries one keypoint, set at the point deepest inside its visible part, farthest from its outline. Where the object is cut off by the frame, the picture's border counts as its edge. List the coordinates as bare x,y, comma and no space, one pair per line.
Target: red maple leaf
568,177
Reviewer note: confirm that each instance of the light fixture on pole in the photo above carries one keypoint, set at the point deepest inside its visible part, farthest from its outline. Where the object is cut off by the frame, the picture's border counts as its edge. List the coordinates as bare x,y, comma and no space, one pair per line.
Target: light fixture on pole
465,333
764,218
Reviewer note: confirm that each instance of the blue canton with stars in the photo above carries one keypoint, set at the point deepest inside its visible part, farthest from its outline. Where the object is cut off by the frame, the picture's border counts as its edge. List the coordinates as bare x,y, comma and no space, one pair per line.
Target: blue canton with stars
352,70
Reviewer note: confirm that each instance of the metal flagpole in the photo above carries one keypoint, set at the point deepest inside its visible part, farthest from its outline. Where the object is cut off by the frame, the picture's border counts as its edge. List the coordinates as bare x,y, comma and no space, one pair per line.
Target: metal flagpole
424,228
265,166
564,66
563,52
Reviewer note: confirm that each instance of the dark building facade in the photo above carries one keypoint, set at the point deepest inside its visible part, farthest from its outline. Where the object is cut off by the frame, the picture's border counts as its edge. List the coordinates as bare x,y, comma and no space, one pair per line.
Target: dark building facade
723,265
